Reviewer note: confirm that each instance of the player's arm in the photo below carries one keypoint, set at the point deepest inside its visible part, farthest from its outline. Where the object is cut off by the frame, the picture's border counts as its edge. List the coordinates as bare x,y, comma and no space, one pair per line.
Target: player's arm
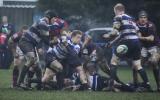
152,32
65,29
13,38
113,33
116,27
148,38
86,41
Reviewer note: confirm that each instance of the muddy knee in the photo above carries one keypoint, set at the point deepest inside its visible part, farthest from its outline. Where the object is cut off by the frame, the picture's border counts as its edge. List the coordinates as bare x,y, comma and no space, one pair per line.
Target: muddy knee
56,66
30,58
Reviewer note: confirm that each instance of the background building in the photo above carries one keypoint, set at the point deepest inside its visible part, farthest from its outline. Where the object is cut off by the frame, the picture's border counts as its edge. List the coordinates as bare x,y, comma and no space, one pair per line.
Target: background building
19,12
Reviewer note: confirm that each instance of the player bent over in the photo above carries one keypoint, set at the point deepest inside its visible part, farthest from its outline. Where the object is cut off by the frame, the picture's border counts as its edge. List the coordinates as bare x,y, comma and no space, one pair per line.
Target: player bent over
59,52
39,31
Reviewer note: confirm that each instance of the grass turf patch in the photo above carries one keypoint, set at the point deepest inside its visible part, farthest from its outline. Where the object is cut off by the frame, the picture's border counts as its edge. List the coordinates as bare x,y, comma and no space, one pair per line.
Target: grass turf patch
6,93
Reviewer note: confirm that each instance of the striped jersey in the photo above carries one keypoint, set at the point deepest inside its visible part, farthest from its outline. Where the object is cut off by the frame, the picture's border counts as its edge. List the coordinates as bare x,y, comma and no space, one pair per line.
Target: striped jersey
128,28
61,51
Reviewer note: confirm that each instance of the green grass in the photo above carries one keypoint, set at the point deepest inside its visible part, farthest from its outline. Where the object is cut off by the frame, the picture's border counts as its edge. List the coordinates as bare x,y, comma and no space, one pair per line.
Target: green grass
6,93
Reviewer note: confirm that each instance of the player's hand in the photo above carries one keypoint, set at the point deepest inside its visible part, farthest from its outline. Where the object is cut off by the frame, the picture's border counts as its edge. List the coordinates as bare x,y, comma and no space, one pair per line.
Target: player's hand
64,40
106,36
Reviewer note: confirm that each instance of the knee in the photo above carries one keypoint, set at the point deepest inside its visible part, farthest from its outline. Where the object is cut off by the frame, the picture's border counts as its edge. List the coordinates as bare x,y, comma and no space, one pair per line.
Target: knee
137,65
30,57
46,78
56,67
114,61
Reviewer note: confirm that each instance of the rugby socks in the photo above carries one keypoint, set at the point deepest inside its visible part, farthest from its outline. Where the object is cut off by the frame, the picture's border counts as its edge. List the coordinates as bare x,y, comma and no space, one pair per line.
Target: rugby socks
116,78
15,75
23,74
143,75
38,72
135,77
113,69
156,76
30,74
60,78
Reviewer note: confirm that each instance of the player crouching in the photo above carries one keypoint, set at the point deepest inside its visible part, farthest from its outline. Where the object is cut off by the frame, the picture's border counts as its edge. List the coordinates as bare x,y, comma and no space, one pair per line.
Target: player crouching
63,51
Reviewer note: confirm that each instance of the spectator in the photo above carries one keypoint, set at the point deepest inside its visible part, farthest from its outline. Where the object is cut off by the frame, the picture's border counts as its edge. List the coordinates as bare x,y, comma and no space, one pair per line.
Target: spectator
6,27
8,30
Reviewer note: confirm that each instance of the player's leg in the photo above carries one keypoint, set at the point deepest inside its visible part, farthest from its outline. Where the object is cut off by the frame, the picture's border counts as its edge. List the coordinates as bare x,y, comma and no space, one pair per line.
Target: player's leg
136,63
113,70
18,63
154,59
134,73
75,61
30,59
142,73
54,67
144,58
28,50
15,73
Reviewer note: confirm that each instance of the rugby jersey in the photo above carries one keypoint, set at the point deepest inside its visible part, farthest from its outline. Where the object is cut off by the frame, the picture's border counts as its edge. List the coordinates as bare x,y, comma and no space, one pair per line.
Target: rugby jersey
62,51
34,34
57,26
147,30
128,28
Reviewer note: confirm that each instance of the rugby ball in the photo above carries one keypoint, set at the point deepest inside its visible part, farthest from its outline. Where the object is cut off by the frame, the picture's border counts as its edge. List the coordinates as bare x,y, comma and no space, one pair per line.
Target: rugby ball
122,49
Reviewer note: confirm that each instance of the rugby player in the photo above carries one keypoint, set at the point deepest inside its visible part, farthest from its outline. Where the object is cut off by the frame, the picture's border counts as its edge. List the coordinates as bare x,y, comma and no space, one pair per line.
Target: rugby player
126,30
65,50
150,50
39,31
18,55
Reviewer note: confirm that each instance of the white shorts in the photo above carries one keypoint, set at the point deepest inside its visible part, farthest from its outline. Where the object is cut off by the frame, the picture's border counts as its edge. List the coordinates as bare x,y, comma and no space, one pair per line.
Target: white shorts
151,53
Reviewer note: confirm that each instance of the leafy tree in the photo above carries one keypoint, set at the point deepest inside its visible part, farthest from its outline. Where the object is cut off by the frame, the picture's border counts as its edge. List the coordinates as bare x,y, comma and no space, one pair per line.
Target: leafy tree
99,12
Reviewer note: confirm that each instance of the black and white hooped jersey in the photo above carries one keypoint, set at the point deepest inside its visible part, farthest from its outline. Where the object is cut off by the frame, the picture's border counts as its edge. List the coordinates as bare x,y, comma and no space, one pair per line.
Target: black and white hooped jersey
76,47
62,51
128,28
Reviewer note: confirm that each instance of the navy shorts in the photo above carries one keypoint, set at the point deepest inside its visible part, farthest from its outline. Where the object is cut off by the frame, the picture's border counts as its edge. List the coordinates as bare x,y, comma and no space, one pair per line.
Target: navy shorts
134,49
50,57
73,60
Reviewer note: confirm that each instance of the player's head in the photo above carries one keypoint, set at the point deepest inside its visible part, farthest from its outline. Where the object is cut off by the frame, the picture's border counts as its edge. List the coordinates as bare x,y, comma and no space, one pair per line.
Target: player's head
50,14
76,36
119,9
24,29
143,17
